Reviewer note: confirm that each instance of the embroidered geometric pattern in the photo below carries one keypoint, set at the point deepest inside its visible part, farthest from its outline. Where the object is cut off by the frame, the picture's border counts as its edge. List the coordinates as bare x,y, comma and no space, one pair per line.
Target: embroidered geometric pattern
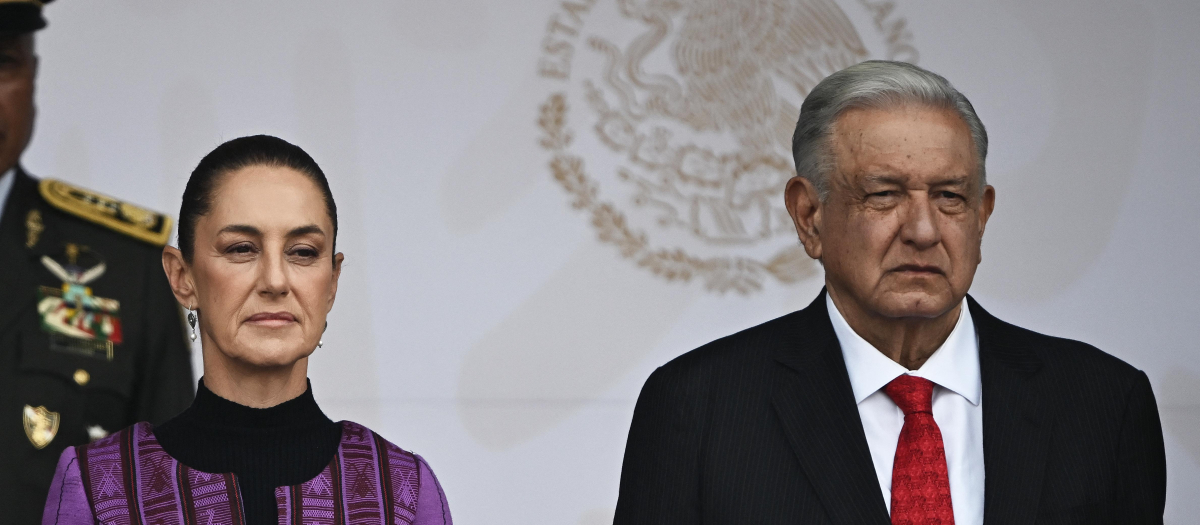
103,465
210,498
156,472
920,482
402,482
360,468
130,480
318,501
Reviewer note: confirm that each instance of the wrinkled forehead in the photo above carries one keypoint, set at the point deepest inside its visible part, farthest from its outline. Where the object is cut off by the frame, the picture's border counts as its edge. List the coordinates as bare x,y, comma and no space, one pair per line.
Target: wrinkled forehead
903,142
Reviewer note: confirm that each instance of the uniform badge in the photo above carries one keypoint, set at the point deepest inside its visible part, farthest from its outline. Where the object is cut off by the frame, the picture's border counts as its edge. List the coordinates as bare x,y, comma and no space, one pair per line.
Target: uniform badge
78,321
33,227
41,425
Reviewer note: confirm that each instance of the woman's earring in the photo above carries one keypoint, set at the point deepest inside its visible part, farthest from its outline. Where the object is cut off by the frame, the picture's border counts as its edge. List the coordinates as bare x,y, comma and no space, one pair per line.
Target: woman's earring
321,341
192,321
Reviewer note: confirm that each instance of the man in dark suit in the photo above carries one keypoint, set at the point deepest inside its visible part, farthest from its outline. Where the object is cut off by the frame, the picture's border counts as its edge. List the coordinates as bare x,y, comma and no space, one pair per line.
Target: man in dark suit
91,339
894,397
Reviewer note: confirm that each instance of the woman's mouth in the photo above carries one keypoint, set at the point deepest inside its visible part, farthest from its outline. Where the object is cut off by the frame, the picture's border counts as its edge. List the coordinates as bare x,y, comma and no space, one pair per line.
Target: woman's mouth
271,319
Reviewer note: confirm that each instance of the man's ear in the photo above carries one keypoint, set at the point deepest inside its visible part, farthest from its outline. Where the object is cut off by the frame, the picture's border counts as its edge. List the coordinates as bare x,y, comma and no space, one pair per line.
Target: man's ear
987,204
804,205
180,276
337,274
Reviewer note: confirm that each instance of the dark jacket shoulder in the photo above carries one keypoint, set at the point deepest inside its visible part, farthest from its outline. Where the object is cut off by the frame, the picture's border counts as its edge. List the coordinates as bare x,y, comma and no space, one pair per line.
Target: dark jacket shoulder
1055,355
798,335
749,345
801,336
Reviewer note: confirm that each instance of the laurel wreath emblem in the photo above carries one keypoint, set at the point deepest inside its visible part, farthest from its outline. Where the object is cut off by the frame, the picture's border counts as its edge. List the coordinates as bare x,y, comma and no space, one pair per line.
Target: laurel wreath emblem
721,274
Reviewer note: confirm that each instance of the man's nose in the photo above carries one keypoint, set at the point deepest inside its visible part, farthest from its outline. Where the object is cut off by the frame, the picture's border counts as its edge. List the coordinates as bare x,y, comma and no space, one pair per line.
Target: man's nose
920,228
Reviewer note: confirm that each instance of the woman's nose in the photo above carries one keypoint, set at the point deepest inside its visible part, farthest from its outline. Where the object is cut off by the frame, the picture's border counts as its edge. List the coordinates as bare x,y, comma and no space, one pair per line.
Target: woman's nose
273,276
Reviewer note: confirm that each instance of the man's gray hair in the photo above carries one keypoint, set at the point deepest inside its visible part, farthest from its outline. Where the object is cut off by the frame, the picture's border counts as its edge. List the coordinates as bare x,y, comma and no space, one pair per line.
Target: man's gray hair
873,84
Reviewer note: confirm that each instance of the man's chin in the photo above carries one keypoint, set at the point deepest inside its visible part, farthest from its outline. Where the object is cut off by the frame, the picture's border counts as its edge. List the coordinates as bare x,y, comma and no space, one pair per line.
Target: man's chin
916,303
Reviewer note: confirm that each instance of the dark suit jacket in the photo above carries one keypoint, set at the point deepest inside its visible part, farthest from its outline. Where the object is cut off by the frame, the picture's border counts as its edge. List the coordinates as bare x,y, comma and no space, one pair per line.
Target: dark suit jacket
761,427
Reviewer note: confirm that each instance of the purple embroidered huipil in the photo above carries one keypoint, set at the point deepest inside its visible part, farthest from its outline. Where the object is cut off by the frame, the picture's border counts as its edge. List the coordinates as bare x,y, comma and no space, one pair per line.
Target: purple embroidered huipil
127,479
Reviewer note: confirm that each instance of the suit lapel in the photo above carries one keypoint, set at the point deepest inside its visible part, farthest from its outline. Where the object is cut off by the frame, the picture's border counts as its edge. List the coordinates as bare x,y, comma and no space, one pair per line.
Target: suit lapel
1016,425
815,404
19,277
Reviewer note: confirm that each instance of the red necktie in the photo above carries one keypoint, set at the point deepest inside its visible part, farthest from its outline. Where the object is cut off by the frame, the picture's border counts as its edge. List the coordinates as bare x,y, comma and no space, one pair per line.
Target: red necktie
920,484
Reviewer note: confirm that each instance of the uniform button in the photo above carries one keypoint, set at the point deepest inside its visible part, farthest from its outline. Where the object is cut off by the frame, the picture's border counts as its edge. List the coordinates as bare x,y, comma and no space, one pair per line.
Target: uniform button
82,377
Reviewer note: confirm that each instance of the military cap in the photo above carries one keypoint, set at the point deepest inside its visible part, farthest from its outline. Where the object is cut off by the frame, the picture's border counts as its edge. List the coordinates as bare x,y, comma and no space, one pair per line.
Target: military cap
21,16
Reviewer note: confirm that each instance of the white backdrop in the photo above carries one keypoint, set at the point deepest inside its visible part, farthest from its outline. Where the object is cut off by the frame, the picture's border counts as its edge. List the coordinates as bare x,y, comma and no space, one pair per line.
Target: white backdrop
498,314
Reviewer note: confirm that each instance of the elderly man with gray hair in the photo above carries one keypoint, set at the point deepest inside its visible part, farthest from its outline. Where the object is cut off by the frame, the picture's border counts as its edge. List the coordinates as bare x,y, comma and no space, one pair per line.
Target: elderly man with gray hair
894,397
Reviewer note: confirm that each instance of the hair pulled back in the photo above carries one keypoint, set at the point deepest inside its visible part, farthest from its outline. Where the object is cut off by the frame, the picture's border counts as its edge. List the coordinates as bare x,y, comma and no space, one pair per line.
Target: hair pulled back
234,155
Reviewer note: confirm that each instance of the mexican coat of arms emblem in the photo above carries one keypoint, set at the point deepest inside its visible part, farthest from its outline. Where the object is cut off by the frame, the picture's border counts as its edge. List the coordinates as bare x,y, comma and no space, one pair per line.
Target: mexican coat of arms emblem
671,125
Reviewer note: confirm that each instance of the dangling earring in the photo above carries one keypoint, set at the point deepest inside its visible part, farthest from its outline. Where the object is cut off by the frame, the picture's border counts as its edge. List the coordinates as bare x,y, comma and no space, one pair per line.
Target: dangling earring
321,341
192,321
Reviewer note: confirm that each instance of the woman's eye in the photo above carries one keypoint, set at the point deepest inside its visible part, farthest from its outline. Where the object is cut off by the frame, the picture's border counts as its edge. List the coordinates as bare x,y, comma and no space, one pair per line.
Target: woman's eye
306,253
240,249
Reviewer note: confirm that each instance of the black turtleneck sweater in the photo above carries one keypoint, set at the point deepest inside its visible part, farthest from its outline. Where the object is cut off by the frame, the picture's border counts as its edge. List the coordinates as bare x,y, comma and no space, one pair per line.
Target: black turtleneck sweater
283,445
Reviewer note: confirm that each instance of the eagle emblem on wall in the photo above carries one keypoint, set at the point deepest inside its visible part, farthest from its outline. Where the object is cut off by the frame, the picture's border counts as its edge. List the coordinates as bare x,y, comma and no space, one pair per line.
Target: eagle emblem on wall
695,102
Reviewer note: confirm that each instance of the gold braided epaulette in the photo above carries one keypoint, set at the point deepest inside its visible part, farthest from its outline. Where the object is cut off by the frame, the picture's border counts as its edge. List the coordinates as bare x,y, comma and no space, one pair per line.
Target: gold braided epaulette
139,223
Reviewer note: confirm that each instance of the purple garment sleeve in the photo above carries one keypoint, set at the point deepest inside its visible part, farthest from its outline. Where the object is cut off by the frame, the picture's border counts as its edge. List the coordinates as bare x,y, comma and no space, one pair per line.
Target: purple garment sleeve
67,503
431,500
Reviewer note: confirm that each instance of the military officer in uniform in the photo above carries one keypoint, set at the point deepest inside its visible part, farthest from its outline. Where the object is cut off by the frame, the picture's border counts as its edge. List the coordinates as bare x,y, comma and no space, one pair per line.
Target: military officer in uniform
91,339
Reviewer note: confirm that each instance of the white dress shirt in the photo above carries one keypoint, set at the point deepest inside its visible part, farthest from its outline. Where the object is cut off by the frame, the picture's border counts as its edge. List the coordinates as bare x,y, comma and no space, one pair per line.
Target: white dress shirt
6,184
957,408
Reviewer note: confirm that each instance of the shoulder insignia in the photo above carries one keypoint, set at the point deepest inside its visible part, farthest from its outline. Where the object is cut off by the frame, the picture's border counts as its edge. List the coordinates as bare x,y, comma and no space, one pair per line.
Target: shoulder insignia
139,223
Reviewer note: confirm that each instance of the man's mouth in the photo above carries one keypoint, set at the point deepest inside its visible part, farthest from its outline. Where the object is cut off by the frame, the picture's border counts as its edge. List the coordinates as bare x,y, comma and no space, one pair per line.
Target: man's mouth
918,268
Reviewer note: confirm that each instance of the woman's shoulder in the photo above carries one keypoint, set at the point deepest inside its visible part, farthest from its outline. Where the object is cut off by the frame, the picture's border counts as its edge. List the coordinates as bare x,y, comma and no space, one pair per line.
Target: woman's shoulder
409,478
136,435
95,475
358,439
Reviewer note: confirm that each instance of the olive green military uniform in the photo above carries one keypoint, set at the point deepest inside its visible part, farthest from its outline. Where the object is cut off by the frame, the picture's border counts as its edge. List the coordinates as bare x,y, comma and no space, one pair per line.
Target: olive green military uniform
91,338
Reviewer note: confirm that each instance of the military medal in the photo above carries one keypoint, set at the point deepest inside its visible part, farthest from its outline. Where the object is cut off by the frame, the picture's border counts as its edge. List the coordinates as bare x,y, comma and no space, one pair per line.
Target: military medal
78,321
41,425
33,227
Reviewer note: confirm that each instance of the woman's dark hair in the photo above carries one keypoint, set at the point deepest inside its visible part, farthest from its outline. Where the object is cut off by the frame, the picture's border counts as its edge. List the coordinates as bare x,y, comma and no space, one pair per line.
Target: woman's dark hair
239,153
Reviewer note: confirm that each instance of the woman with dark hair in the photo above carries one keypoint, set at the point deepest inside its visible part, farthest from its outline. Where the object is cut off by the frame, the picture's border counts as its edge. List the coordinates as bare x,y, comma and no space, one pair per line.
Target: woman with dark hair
258,269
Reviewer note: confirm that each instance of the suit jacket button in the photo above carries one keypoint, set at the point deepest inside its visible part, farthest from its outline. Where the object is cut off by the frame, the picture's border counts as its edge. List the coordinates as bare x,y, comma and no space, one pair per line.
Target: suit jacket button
82,377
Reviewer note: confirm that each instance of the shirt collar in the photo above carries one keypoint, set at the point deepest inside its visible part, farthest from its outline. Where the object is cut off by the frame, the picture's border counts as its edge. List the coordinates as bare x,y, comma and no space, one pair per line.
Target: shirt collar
953,366
6,183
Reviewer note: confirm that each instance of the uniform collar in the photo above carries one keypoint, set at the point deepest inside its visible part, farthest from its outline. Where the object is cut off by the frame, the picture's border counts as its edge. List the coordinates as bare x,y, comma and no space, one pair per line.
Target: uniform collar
953,366
6,184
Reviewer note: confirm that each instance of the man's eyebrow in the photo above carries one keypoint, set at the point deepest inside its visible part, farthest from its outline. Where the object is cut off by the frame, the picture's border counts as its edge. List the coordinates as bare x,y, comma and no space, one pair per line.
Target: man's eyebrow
953,181
879,178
